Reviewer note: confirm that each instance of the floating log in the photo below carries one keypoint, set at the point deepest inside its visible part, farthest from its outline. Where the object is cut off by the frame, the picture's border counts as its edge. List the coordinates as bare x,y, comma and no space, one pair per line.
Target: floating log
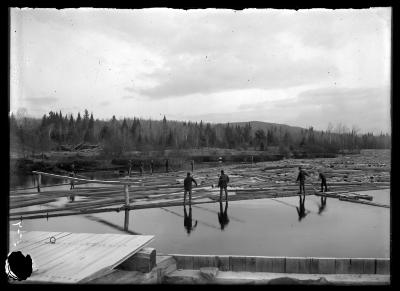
363,202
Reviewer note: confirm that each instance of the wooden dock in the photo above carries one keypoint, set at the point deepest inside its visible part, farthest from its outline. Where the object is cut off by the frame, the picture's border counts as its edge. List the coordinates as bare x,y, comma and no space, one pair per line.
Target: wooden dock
75,257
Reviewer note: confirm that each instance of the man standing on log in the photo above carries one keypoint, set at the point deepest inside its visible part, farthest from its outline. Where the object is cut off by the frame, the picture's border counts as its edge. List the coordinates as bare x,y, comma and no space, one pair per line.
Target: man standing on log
223,184
187,183
151,167
302,177
141,168
72,174
130,168
323,182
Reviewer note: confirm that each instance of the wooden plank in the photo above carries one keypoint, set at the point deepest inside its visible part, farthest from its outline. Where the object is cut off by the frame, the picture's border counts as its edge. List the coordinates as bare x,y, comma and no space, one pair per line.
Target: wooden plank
250,264
75,257
49,250
264,264
369,266
326,266
116,255
356,266
29,244
222,263
342,266
292,265
383,266
58,259
278,265
143,261
79,270
105,248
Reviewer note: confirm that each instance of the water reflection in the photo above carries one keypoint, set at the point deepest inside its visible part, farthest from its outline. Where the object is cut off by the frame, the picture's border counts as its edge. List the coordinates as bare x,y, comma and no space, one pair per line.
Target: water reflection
301,210
322,206
187,220
223,215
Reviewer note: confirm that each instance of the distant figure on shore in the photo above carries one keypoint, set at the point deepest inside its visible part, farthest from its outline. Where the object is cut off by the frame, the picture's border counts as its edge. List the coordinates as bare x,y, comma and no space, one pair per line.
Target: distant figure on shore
151,167
223,215
192,164
130,168
187,184
223,184
301,210
72,174
188,221
302,177
166,165
322,207
141,168
323,182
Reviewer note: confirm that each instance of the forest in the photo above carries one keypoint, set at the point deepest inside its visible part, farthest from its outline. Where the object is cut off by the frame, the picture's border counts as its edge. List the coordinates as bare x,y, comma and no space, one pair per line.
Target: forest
55,131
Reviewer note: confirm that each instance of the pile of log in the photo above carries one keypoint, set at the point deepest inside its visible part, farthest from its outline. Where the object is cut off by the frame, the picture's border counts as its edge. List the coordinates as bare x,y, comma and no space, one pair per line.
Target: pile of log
247,181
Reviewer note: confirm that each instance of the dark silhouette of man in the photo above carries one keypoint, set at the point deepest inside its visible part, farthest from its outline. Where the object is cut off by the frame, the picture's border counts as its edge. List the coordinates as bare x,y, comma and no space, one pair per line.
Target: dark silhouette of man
187,184
188,221
323,182
130,168
72,174
141,168
302,177
166,165
301,210
223,184
151,167
223,215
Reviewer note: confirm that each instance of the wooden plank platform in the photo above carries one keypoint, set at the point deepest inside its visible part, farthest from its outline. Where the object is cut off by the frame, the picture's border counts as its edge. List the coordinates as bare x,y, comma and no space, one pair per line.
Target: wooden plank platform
75,257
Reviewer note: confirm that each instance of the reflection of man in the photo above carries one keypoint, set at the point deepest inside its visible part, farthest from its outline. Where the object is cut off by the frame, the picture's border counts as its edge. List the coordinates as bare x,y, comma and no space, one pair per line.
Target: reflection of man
188,222
301,210
223,215
322,206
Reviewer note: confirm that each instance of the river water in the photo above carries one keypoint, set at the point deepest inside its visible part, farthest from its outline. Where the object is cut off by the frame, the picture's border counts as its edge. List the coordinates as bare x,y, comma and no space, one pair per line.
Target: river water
263,227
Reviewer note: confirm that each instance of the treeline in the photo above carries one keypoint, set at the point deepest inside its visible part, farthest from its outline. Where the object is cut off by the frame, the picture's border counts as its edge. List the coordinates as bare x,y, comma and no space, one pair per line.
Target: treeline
115,136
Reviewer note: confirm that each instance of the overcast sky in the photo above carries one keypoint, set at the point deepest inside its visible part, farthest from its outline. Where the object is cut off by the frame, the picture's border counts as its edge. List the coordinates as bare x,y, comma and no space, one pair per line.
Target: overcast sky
302,68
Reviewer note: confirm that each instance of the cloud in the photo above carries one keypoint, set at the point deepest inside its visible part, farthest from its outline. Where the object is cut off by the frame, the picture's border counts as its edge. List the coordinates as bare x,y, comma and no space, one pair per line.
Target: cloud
145,58
41,100
228,72
104,103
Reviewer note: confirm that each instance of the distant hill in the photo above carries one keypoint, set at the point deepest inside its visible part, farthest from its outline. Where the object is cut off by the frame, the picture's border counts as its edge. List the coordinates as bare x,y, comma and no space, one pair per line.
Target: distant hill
256,125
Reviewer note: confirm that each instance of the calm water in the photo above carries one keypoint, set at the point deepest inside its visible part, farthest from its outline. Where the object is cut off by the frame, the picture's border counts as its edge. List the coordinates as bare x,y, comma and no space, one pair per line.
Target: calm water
264,227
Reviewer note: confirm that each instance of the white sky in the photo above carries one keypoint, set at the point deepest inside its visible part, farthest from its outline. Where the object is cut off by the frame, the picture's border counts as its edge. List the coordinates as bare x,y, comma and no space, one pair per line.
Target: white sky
302,68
